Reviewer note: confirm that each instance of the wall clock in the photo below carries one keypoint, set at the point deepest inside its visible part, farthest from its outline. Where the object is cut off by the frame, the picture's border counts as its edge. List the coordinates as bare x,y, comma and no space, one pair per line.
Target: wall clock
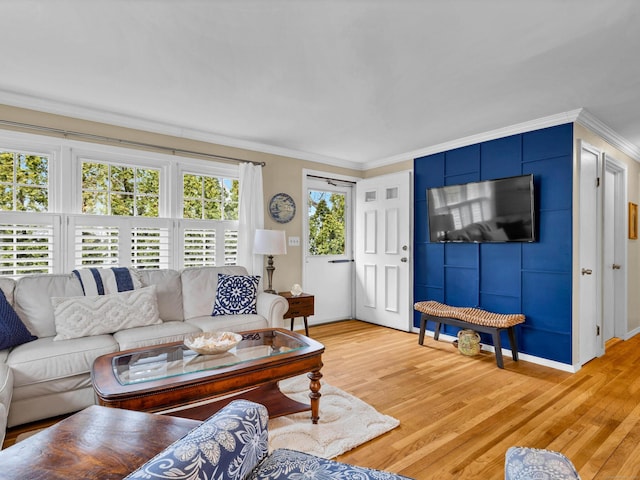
282,208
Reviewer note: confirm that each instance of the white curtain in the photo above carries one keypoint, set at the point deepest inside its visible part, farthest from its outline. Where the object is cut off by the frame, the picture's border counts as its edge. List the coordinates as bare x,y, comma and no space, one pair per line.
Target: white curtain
250,216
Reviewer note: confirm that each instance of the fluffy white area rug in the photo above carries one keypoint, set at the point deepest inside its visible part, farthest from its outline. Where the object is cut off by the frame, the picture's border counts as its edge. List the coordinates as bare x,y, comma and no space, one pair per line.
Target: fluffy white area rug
345,422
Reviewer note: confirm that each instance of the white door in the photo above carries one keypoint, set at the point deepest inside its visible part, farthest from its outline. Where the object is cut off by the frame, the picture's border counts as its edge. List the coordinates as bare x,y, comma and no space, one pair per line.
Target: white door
614,305
328,267
382,250
590,314
609,257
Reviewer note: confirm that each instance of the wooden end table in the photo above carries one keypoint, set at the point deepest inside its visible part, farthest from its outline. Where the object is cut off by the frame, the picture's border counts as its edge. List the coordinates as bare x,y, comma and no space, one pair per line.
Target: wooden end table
163,378
299,306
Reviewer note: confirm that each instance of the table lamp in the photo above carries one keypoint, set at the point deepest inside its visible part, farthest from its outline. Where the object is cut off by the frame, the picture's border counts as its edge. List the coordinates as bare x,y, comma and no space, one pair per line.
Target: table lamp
270,243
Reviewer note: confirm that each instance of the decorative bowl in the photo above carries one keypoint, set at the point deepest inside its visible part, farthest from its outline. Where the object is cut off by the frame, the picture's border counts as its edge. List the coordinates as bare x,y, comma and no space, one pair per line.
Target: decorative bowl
212,343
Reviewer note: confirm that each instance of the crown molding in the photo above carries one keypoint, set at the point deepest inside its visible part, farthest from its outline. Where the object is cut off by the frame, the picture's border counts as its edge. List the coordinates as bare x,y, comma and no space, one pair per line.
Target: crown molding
55,107
544,122
587,120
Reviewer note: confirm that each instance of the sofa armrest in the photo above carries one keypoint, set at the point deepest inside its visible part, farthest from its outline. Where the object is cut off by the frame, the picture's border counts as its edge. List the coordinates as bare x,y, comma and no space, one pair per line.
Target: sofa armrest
6,391
227,445
272,307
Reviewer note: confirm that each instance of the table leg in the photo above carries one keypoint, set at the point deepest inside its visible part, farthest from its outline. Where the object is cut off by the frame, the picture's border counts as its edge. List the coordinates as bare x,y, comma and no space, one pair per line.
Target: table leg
315,394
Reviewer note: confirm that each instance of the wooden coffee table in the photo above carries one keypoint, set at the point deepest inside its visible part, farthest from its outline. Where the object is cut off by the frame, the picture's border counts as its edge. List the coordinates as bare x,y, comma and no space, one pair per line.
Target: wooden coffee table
166,378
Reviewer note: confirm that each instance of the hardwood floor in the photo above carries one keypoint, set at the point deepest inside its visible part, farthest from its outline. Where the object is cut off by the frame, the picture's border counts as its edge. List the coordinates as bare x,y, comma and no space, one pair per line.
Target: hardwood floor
458,415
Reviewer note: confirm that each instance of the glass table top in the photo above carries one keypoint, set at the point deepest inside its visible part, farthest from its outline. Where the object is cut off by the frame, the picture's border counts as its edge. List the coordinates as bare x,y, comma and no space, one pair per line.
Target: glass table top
164,361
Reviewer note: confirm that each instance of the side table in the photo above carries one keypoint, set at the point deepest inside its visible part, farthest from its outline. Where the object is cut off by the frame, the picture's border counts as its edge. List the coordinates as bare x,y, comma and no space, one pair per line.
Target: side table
299,306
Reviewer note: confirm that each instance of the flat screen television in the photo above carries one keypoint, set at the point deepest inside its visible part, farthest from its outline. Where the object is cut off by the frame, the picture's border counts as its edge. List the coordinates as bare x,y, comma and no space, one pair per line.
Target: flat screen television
500,210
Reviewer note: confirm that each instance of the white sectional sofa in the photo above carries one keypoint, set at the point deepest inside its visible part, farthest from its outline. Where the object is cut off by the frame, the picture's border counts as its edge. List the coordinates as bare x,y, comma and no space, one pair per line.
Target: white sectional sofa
48,376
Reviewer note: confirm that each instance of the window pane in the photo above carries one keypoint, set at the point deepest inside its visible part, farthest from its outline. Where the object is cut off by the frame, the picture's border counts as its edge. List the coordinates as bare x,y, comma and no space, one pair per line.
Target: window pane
6,198
192,209
148,181
212,188
32,170
25,182
146,206
122,204
6,167
31,199
122,179
95,176
94,203
326,223
231,199
212,210
192,186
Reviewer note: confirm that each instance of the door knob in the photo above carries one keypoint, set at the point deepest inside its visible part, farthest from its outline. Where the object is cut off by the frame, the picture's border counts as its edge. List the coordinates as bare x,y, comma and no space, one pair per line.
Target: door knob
403,259
615,266
587,271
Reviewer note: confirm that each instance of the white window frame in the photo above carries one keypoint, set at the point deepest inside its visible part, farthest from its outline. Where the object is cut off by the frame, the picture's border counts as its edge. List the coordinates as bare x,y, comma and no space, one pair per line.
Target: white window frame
65,194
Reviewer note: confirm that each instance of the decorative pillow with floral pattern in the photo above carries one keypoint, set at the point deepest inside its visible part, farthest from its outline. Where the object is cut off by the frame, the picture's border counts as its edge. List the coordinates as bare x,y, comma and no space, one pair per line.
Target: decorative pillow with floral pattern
227,445
236,294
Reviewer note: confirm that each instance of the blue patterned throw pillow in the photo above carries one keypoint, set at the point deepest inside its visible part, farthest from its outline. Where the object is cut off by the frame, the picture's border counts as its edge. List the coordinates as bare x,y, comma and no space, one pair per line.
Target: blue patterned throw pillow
12,330
236,294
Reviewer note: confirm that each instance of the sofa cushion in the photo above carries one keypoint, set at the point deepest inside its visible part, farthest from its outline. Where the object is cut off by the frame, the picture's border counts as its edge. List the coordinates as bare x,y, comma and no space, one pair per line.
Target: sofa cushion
287,464
36,310
165,332
233,323
44,359
236,294
12,330
199,285
77,317
227,445
8,285
168,290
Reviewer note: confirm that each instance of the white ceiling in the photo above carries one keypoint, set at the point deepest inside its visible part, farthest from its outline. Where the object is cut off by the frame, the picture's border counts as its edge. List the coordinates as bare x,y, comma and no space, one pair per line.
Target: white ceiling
346,82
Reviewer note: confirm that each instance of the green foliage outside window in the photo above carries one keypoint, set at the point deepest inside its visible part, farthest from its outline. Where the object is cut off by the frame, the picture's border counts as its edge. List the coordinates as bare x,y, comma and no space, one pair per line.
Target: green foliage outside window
120,190
210,198
24,182
326,223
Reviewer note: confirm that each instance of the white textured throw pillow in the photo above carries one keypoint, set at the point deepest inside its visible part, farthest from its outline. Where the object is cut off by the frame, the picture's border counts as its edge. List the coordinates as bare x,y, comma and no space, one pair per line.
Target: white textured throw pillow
77,317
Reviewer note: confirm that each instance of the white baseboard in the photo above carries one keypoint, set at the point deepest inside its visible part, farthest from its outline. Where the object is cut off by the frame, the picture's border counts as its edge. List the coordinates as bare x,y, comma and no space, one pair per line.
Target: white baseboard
507,354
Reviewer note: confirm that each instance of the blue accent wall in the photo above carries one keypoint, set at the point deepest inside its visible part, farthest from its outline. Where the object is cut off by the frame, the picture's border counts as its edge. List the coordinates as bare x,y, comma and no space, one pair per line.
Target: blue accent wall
530,278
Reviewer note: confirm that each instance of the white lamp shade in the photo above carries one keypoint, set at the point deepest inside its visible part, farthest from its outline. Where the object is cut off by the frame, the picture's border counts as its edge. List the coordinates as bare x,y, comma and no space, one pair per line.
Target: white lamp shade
270,242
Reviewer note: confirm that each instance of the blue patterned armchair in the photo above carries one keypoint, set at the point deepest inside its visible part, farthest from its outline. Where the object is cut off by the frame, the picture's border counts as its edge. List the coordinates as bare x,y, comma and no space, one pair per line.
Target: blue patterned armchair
233,445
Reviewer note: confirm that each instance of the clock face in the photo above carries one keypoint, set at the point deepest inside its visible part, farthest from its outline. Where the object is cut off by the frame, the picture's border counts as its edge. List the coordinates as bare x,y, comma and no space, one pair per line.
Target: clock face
282,208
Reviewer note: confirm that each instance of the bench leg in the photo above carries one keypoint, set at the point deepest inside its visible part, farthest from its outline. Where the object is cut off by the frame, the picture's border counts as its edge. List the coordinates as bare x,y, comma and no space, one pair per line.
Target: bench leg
514,343
423,327
497,344
436,331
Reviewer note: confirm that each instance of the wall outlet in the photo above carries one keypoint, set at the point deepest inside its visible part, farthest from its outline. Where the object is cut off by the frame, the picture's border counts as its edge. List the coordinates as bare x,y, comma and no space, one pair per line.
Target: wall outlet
294,241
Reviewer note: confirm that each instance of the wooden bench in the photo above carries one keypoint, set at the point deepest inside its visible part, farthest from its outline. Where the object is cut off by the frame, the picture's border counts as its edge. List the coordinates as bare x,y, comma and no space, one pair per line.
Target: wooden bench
472,318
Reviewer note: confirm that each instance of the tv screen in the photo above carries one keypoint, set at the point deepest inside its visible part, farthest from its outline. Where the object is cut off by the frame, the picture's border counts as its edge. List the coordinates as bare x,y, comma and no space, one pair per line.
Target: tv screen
500,210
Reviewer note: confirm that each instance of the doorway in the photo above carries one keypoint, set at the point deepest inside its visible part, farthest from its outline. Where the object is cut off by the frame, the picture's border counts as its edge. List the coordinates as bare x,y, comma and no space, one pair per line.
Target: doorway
328,245
602,251
383,267
614,270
